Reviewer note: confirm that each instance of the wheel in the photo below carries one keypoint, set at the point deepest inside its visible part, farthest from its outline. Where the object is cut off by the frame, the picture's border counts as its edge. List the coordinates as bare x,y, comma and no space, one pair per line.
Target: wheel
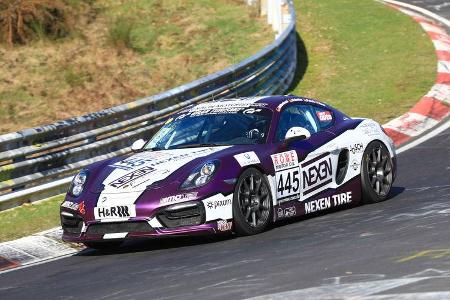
252,203
377,173
103,246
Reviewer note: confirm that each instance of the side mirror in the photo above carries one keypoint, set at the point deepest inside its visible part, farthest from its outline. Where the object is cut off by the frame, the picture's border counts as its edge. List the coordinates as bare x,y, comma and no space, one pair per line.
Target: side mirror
296,134
137,145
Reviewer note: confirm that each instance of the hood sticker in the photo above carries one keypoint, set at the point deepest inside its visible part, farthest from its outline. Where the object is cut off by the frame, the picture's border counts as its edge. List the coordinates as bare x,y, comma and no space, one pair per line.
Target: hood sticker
247,158
132,175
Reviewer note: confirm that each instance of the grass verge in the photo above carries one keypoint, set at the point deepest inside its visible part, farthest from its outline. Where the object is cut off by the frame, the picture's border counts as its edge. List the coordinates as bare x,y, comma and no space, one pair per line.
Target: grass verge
364,58
120,51
29,218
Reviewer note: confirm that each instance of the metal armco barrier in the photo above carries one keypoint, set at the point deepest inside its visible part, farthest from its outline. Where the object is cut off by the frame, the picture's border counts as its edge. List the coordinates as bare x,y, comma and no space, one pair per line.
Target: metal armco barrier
36,163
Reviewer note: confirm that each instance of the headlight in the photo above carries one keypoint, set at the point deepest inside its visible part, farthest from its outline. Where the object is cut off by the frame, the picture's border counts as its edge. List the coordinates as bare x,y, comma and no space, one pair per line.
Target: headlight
78,182
201,175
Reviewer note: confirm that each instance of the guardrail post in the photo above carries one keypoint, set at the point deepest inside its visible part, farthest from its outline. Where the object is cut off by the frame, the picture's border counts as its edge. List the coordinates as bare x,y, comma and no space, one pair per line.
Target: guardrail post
16,160
263,7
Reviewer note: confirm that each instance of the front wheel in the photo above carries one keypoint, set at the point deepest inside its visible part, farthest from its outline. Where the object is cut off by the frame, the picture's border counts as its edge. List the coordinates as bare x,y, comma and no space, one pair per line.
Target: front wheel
377,173
252,203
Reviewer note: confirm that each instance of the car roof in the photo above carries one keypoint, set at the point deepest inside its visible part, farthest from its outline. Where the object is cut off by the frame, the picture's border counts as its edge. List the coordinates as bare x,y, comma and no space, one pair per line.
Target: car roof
275,102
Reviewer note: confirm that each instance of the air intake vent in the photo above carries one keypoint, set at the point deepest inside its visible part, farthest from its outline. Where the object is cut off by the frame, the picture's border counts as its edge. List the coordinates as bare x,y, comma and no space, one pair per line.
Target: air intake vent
104,228
183,214
72,225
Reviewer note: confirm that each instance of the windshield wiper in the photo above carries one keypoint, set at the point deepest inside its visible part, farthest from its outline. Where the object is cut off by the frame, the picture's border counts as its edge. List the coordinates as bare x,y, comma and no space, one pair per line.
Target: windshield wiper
154,149
198,145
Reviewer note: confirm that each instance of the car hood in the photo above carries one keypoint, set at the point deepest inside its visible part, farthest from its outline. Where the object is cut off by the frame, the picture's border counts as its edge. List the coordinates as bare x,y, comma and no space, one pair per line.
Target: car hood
136,172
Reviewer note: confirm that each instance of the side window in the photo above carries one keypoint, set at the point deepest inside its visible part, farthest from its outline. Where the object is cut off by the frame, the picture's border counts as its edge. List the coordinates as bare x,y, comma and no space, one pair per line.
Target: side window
296,115
324,117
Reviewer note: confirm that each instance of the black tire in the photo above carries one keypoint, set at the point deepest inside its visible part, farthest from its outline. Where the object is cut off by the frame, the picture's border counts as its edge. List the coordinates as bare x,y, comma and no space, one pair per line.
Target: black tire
252,203
104,246
377,172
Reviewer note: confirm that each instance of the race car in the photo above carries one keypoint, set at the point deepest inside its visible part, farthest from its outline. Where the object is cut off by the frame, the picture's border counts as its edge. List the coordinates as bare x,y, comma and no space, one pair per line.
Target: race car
234,165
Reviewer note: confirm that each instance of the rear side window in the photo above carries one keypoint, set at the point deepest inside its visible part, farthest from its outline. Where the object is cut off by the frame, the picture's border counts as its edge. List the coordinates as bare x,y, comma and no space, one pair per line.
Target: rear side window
325,117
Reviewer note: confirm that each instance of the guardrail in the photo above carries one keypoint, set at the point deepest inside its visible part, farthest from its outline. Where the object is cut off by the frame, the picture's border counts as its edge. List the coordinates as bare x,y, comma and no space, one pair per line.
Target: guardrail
36,163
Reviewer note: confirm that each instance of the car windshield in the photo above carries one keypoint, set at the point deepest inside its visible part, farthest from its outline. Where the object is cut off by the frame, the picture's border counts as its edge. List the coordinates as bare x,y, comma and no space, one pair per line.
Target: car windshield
194,129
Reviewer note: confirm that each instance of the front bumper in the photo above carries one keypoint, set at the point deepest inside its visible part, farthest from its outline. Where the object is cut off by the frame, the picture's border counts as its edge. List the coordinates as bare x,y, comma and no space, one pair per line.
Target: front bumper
187,220
204,229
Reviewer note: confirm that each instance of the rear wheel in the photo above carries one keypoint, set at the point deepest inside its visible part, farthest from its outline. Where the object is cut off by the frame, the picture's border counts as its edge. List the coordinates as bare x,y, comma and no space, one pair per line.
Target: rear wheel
377,173
104,246
252,203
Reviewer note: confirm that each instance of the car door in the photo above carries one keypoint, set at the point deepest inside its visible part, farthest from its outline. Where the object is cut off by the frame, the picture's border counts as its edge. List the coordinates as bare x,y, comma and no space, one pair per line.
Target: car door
305,167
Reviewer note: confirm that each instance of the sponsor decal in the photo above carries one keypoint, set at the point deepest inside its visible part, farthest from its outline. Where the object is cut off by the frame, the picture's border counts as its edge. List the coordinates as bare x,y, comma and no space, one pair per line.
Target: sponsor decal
129,164
115,212
328,202
225,107
355,165
284,160
356,148
178,198
287,175
286,212
316,173
218,203
371,129
288,183
317,205
80,207
223,225
156,158
182,116
280,106
70,205
304,100
251,110
324,116
247,158
127,179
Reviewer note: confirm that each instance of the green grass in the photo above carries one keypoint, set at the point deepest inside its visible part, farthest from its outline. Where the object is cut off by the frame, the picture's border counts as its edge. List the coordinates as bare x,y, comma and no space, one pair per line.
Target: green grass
119,51
363,57
29,218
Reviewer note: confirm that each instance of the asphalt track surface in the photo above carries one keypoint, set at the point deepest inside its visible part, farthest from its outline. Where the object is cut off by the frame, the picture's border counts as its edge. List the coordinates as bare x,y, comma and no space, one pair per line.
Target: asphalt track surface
397,249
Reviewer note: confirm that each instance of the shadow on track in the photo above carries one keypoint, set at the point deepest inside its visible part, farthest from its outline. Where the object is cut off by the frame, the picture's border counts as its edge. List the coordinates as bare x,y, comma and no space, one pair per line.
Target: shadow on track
154,244
395,191
164,243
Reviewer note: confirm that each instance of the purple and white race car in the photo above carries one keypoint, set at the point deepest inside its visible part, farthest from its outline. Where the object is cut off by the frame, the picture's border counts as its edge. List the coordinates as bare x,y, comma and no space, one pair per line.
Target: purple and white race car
232,165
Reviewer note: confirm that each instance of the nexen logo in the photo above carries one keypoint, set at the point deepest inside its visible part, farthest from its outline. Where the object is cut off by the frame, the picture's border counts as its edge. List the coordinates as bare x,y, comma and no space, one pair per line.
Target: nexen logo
317,173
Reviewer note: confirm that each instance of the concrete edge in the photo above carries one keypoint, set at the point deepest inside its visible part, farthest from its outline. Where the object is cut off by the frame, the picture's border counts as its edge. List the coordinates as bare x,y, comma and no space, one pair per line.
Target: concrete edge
34,249
433,108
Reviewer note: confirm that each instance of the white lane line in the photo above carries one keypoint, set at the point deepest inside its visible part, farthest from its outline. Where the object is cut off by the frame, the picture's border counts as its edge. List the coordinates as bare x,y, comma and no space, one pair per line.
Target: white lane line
424,138
357,290
433,28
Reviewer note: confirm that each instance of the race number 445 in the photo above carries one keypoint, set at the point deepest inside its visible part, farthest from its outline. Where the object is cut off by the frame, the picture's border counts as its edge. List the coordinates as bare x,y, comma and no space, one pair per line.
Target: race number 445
288,182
